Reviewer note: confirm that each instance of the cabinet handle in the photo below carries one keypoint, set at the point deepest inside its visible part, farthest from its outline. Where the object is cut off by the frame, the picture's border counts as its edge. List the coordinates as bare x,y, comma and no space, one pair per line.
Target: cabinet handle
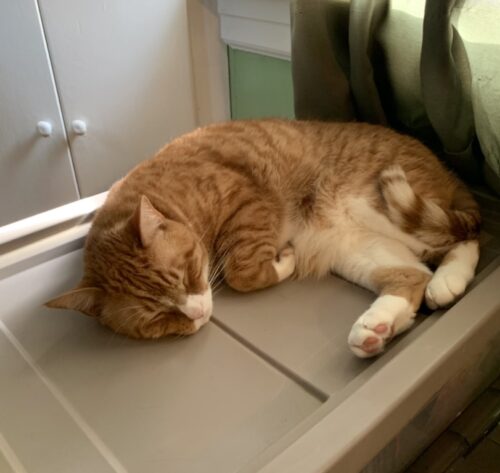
44,128
79,127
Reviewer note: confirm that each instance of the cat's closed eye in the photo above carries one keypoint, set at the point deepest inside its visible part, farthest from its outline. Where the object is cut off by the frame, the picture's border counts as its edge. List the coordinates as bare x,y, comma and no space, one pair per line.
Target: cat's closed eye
174,278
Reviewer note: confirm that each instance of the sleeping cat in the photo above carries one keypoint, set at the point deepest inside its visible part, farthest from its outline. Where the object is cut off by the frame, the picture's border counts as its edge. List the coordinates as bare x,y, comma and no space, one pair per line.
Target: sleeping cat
262,201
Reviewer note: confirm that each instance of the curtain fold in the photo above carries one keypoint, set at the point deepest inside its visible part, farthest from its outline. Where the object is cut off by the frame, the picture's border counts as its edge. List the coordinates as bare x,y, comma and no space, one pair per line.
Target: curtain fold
320,67
430,69
365,18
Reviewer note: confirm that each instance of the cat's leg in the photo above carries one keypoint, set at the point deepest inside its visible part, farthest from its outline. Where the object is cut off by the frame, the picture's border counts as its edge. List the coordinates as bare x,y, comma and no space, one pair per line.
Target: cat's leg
253,257
250,266
453,275
401,291
390,269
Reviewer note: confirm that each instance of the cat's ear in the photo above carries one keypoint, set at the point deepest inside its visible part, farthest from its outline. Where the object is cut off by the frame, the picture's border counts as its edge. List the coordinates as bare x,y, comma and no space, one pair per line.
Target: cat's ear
146,221
88,300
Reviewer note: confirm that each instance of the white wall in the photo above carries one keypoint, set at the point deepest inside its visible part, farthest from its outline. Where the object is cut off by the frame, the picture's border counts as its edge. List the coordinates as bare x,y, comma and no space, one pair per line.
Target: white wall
209,59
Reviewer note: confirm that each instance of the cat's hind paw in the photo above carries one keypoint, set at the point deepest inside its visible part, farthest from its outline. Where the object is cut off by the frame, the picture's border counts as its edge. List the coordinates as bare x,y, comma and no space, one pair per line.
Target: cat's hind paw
444,289
388,316
365,342
453,275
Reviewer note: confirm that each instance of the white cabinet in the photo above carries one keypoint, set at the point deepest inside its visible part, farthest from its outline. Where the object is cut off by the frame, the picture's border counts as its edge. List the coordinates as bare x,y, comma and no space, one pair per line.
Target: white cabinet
123,69
36,172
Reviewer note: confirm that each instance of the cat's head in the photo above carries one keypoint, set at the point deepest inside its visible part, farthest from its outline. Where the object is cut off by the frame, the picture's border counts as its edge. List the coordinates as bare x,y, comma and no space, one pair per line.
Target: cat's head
145,279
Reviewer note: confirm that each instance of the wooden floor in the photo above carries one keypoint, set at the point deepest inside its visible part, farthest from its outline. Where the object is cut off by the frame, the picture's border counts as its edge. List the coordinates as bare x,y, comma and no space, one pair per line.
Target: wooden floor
471,444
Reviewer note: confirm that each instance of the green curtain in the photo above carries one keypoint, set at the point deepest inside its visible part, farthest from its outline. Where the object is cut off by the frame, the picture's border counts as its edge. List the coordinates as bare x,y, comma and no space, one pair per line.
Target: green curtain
430,69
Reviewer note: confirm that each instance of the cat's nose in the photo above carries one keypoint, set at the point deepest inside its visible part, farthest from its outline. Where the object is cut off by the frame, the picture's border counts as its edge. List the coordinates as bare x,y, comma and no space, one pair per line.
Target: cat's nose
193,311
197,306
197,313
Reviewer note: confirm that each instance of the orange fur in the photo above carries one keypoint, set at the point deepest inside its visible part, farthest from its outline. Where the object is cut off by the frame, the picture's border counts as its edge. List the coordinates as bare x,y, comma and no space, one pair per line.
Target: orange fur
233,195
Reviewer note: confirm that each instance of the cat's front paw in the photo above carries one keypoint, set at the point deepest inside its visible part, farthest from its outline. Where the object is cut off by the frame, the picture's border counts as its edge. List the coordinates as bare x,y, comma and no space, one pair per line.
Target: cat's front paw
388,316
285,263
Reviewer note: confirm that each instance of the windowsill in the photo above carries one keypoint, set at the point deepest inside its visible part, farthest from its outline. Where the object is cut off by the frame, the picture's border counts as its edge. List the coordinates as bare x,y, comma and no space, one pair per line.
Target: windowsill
259,26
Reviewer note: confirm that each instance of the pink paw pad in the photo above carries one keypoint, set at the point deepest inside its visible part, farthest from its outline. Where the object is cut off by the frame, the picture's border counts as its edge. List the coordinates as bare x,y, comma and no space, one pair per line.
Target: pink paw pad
381,329
370,344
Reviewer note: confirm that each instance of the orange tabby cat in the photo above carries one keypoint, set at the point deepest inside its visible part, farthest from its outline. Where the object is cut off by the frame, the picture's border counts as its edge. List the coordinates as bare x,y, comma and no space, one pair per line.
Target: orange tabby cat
264,200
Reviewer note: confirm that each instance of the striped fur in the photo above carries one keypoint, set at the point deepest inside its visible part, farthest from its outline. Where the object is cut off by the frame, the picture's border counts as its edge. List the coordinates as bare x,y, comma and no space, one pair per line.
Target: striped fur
430,222
255,202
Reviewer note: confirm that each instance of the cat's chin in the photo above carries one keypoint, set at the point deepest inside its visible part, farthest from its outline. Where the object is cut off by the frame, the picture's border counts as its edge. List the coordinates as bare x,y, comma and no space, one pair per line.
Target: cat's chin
157,330
198,306
199,323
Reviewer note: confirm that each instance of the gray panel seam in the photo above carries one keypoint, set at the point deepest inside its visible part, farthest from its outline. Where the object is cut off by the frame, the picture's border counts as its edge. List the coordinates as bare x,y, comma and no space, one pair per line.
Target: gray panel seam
303,383
93,437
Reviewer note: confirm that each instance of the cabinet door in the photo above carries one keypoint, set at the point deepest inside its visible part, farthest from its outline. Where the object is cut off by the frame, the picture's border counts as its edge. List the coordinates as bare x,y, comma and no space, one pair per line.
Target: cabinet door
35,172
124,69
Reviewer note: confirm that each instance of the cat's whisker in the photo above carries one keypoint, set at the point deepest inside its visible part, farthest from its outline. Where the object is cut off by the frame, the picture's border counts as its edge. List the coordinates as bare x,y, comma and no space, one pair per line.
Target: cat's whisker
219,267
216,277
217,272
218,284
218,289
136,311
229,244
215,289
215,280
124,309
129,318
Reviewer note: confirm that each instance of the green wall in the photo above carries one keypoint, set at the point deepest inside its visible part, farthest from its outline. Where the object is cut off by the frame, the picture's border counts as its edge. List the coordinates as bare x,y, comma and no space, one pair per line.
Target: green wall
261,86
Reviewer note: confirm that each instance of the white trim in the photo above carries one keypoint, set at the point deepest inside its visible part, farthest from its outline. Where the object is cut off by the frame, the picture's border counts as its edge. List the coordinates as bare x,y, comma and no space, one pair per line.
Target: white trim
59,239
51,218
209,62
260,26
10,456
277,11
79,420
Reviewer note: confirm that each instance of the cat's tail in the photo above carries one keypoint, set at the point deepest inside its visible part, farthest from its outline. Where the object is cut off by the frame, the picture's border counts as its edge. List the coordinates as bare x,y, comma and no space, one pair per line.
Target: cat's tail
437,226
